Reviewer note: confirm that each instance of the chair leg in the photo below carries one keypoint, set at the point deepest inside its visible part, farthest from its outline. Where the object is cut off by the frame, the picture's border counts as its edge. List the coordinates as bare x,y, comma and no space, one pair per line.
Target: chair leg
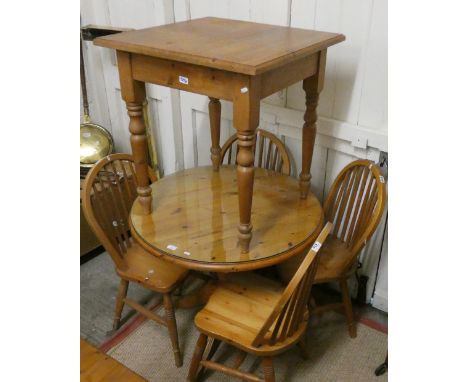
214,346
348,307
119,303
196,358
268,370
172,327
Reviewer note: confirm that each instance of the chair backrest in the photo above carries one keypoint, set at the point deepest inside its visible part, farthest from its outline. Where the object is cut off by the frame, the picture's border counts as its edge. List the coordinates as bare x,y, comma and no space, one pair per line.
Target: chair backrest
109,191
355,203
289,312
270,153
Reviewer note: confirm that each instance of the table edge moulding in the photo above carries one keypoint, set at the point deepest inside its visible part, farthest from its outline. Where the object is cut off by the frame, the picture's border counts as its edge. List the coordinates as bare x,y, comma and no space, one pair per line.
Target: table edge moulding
238,61
193,222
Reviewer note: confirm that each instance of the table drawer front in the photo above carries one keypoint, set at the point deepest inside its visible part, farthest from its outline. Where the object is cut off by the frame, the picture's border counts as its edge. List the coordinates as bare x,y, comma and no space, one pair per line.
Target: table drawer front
192,78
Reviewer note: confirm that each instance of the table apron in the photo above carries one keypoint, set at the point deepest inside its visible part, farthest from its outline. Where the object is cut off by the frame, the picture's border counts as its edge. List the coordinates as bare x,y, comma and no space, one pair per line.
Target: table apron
179,75
284,76
217,83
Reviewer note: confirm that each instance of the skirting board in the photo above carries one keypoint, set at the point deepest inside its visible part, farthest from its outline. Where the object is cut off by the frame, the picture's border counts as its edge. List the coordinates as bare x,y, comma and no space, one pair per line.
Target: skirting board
380,301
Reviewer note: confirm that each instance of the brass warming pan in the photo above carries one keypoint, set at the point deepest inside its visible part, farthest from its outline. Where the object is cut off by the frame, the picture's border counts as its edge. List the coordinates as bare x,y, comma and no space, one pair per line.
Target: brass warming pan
95,141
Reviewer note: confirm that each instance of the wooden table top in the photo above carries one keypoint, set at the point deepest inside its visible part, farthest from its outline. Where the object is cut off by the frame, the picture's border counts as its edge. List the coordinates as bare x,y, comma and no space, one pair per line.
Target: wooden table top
237,46
195,216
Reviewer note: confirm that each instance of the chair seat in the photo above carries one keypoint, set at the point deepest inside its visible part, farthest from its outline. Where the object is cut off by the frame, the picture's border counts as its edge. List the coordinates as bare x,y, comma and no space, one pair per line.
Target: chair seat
333,264
334,261
237,310
151,271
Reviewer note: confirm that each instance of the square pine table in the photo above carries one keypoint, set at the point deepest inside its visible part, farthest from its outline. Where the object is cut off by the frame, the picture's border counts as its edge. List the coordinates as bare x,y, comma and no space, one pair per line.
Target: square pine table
237,61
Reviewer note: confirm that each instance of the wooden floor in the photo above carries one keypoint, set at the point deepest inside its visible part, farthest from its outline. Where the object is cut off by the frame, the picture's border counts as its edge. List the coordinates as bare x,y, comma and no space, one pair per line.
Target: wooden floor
96,366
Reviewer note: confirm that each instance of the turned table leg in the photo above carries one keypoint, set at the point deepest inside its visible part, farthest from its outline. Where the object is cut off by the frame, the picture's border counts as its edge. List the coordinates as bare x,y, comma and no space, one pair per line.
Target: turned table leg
134,95
214,108
312,87
246,119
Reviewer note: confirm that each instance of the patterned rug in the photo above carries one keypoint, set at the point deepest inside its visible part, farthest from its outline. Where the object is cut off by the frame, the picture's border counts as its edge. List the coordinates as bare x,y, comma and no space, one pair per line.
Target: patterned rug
144,347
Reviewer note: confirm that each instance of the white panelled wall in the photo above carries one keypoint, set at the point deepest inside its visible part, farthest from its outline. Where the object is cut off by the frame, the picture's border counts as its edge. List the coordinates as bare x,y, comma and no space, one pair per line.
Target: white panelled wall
352,108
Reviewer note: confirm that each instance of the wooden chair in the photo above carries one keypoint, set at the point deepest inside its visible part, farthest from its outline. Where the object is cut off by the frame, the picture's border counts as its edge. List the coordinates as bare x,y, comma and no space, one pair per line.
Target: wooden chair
354,205
271,153
257,316
109,192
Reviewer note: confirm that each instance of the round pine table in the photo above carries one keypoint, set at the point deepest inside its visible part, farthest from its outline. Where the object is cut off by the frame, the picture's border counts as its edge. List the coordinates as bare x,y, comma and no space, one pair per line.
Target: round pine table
195,214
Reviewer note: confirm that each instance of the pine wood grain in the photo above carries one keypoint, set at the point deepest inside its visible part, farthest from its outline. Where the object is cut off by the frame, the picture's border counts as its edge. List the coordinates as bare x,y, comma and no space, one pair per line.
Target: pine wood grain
257,315
109,190
196,211
152,272
238,46
355,204
96,367
275,157
224,59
